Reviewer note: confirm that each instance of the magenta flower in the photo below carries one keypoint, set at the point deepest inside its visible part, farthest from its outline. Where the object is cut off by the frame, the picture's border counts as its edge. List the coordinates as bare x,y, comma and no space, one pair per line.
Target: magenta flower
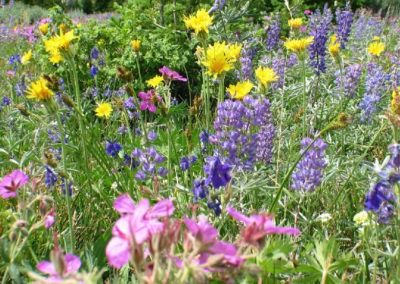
49,220
134,228
11,183
170,75
149,100
263,222
72,263
202,231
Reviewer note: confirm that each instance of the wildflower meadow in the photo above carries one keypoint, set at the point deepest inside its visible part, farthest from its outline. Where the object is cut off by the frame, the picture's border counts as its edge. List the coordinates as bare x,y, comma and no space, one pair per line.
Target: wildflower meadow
199,142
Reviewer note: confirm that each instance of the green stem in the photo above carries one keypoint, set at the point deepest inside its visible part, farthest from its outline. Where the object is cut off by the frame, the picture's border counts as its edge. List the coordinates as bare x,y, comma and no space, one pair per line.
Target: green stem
221,92
138,70
304,97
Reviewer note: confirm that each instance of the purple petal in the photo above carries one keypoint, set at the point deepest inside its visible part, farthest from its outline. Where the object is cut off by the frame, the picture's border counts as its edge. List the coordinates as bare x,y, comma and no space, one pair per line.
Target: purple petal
238,216
163,208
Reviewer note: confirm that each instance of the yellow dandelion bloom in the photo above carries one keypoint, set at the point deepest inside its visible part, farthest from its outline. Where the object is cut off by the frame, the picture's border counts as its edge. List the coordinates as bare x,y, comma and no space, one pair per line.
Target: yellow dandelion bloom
334,46
377,38
135,44
376,48
234,50
57,43
240,90
103,109
155,81
299,44
199,22
295,23
218,59
26,57
265,75
44,28
39,90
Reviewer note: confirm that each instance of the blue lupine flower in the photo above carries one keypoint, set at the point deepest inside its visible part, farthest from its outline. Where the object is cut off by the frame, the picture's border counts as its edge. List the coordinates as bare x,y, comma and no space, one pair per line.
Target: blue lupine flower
350,80
308,171
6,101
218,173
51,177
199,189
344,20
152,136
112,148
184,164
94,53
274,33
93,70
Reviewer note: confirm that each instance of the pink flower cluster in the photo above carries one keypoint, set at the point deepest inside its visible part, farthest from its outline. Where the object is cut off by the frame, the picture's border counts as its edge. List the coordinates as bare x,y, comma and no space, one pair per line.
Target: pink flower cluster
11,183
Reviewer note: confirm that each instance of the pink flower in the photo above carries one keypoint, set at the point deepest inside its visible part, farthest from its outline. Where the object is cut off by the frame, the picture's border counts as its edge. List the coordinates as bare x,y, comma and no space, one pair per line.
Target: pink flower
149,100
11,183
170,75
71,264
49,220
202,231
11,73
262,221
134,228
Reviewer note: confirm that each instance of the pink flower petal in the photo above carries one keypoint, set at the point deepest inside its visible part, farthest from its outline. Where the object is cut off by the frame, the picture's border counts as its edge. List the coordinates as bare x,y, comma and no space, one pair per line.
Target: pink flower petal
47,267
118,252
164,208
73,263
124,204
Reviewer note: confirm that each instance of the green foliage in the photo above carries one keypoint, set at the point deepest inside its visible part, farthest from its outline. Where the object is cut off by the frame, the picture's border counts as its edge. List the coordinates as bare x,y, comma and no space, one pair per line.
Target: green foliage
22,13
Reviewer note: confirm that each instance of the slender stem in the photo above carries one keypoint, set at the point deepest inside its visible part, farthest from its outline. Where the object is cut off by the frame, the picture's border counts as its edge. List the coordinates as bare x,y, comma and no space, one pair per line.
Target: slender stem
138,70
221,93
304,97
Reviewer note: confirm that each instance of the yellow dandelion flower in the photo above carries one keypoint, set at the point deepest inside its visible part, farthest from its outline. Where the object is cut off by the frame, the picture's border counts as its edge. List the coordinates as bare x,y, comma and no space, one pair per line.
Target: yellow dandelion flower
44,28
155,81
104,109
334,46
234,50
218,59
200,22
26,57
57,43
39,90
377,38
376,48
299,44
265,75
295,23
240,90
135,44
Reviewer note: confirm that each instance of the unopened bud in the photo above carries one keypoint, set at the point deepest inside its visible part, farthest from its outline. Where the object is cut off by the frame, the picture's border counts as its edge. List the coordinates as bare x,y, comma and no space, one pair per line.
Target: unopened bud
22,109
67,101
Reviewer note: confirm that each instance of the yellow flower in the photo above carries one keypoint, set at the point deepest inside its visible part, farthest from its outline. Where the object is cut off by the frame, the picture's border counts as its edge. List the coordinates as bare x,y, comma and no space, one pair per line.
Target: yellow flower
44,28
240,90
100,42
200,22
395,103
135,44
295,23
334,46
376,48
299,44
265,75
377,38
26,57
218,59
155,81
234,50
39,90
104,109
57,43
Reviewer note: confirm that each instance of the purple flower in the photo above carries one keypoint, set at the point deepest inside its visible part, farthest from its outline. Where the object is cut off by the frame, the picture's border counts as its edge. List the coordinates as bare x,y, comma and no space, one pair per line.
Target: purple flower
246,59
349,82
149,159
218,5
152,136
49,220
71,264
94,53
244,132
112,148
308,174
274,32
148,100
170,75
375,85
319,28
11,183
200,190
218,173
344,20
93,70
129,103
6,101
278,64
51,177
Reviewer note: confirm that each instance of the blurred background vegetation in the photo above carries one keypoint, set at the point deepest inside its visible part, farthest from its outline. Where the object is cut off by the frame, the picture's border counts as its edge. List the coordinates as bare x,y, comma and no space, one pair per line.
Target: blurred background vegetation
391,7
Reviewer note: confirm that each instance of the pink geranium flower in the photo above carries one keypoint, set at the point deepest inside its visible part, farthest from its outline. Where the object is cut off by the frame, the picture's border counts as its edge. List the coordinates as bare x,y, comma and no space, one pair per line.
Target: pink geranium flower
135,227
170,75
72,265
11,183
149,100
